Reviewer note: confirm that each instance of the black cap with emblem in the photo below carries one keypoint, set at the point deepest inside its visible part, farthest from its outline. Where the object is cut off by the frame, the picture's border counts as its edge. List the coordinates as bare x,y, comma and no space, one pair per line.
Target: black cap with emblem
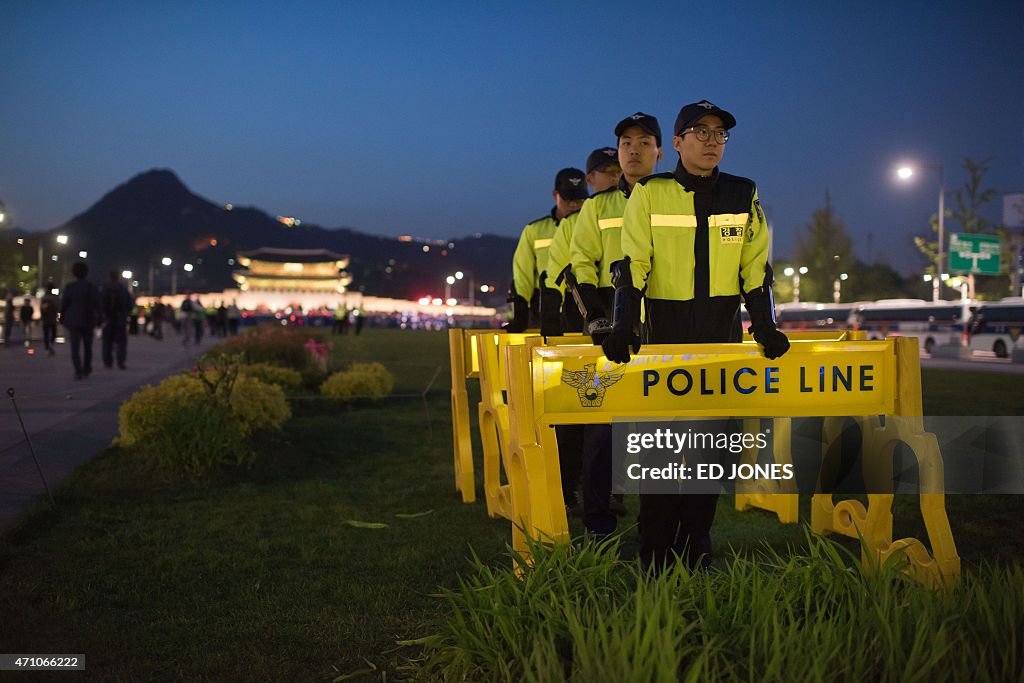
646,122
601,157
692,113
570,183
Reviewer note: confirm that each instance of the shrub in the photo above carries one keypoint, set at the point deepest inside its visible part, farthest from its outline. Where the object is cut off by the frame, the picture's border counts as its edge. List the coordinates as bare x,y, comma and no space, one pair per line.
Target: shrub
362,380
258,405
179,427
192,424
272,344
286,378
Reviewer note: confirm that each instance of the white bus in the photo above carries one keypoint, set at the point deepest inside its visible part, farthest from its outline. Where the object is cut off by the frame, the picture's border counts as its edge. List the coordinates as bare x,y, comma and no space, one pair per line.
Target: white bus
933,323
810,317
995,327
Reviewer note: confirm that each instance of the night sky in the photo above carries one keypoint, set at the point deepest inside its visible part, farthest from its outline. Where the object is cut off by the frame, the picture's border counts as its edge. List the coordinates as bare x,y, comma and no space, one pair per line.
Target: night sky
442,120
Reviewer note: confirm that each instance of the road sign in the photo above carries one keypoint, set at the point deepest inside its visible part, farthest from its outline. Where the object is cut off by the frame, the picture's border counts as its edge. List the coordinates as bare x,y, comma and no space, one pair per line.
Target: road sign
973,253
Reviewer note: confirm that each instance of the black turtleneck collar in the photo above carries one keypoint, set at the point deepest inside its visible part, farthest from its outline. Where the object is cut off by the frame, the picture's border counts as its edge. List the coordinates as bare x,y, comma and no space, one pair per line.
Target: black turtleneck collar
695,183
624,186
554,213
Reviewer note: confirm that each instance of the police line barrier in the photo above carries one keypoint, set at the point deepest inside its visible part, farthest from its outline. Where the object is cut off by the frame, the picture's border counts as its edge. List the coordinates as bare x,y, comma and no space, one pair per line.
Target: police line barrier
479,354
555,385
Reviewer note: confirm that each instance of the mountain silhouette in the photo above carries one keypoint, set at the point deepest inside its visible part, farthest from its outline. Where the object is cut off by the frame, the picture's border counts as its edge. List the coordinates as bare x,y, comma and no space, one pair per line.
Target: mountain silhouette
155,215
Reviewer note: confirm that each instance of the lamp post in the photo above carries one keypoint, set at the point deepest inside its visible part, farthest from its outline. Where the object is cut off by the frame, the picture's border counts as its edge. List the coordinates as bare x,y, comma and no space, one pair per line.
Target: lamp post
905,173
837,286
452,279
448,282
795,273
188,267
61,240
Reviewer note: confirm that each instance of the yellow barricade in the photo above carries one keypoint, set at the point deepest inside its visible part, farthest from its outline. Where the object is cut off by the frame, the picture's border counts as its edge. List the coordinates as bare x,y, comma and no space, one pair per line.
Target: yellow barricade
464,365
577,385
480,354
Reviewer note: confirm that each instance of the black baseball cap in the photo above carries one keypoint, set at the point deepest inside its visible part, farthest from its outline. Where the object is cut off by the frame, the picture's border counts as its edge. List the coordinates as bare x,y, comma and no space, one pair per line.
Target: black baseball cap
570,183
692,113
601,157
647,122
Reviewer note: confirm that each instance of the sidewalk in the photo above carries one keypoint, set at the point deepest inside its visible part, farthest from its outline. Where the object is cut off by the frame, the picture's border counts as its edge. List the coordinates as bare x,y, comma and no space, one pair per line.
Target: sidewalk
69,421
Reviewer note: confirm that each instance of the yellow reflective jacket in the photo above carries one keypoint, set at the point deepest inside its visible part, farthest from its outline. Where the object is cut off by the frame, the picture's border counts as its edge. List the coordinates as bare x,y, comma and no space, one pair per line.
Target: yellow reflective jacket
531,255
596,241
680,251
558,253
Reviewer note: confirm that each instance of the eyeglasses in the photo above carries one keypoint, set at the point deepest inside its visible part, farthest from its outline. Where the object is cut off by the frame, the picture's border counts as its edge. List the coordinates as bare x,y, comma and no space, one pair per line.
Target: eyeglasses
703,134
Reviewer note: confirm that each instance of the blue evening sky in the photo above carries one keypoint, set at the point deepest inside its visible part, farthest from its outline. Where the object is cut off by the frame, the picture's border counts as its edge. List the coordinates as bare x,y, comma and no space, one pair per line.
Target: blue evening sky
445,119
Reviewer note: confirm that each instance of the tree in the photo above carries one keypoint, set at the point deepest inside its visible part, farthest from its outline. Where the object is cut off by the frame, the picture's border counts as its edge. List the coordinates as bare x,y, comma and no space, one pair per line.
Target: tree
877,281
14,278
826,249
968,202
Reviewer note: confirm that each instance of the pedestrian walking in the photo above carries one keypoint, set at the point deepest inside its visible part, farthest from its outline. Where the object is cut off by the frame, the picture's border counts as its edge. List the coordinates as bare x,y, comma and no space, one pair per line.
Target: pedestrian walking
79,313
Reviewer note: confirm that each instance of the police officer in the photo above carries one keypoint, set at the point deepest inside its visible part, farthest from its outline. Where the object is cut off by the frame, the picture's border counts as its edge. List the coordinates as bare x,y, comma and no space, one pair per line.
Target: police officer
560,314
530,258
595,246
603,172
711,240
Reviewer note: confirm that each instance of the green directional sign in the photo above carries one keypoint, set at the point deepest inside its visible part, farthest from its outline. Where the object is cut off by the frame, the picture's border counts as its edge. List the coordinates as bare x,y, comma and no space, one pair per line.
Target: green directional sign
973,253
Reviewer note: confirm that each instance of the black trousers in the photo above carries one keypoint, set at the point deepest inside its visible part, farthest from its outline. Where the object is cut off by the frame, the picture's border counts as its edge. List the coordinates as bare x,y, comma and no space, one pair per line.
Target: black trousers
81,340
676,525
49,335
679,524
115,341
570,451
597,479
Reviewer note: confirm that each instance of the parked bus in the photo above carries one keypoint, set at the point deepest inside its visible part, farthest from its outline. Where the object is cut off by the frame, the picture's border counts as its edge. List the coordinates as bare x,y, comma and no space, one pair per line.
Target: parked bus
995,327
933,323
795,317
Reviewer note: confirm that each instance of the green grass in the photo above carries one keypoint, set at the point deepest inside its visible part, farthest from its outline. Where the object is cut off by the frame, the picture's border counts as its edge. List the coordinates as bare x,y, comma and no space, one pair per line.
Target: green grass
258,576
581,615
953,392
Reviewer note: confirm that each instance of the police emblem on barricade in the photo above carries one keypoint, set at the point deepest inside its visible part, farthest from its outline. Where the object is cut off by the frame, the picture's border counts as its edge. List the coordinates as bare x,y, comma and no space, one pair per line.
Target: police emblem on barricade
591,385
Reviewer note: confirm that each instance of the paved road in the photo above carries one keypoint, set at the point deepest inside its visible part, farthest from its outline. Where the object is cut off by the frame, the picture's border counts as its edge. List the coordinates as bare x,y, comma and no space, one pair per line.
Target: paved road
976,364
68,421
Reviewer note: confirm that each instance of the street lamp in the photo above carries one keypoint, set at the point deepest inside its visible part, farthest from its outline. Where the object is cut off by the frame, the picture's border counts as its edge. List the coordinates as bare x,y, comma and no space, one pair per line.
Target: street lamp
837,285
61,240
905,173
165,261
795,274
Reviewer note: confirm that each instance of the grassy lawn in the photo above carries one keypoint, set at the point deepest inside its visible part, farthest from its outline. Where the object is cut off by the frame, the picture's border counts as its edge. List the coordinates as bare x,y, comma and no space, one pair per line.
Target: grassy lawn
261,575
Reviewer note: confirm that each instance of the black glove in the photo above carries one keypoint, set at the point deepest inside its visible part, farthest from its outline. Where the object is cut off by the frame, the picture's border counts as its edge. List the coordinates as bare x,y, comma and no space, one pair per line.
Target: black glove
625,334
597,324
520,315
550,312
773,343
